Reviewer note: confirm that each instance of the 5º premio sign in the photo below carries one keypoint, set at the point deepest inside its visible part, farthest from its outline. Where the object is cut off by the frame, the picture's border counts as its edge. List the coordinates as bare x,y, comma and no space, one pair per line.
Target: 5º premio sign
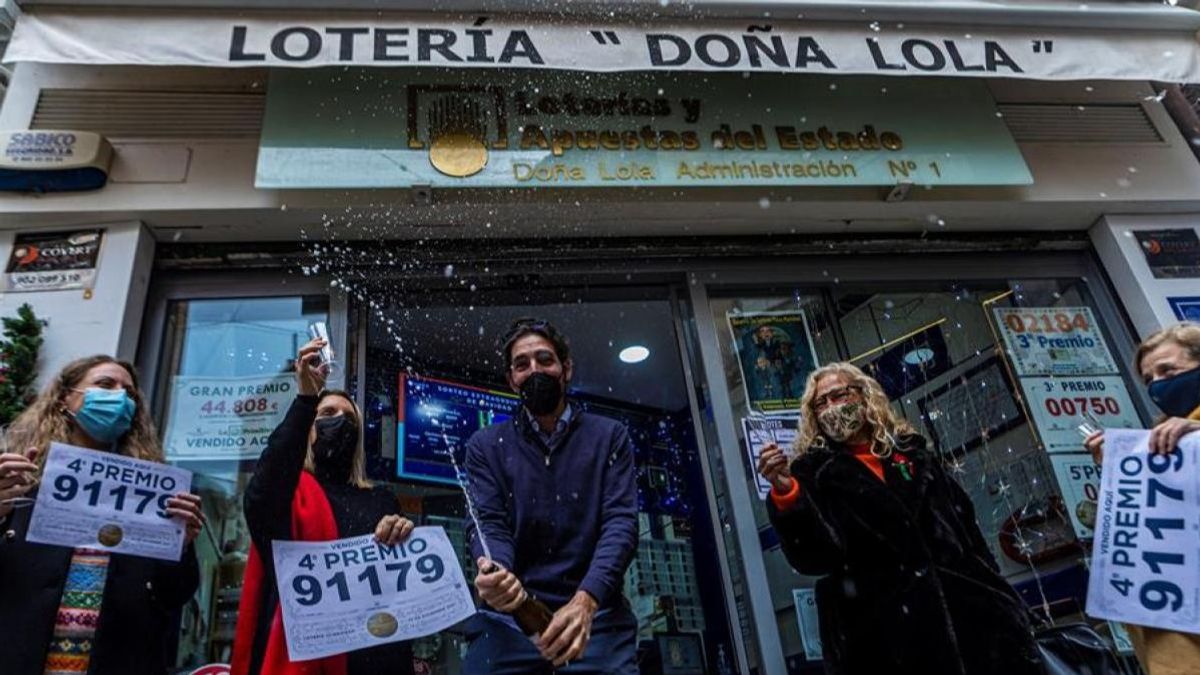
53,161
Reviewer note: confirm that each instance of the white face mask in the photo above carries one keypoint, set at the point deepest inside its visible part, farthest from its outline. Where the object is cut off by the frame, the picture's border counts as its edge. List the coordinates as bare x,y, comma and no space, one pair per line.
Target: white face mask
841,421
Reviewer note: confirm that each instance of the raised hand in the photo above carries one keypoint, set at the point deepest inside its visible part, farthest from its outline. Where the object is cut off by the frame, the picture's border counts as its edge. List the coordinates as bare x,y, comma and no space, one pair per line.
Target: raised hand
498,587
18,475
565,639
773,466
185,507
393,529
310,374
1095,445
1164,437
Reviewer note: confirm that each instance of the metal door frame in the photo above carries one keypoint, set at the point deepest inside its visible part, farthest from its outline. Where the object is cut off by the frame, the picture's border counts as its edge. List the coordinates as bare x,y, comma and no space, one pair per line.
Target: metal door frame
220,286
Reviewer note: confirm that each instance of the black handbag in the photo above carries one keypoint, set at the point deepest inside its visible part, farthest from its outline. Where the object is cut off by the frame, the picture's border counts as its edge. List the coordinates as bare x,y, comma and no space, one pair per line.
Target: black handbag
1077,649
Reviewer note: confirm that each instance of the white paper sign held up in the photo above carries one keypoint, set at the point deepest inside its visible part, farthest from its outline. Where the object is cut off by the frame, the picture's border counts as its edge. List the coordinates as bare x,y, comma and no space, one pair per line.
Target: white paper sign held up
762,431
347,594
1146,553
109,502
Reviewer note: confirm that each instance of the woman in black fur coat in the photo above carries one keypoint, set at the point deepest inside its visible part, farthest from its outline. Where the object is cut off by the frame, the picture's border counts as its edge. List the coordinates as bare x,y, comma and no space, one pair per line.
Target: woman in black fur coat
908,584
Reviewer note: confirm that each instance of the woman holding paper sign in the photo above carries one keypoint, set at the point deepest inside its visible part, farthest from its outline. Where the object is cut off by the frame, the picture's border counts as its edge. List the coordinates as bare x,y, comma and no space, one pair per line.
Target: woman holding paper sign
908,584
1169,363
310,485
80,610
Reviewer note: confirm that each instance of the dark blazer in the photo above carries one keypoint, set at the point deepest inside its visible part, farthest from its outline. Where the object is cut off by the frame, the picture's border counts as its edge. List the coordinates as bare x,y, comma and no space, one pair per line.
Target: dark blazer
908,583
141,597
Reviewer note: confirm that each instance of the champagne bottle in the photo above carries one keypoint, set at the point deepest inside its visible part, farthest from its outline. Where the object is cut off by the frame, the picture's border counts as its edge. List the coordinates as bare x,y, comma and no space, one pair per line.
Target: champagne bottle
532,615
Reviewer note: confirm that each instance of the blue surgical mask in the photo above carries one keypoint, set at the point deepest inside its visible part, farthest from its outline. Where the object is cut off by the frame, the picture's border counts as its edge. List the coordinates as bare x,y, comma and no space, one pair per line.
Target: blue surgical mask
106,414
1178,395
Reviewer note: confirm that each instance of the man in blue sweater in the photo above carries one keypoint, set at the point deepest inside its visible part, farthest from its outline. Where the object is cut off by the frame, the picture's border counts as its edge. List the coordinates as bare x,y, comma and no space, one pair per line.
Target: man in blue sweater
556,494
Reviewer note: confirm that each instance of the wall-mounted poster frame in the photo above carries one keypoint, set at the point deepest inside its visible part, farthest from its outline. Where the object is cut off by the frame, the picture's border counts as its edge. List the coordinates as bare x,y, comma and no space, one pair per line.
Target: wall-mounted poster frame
943,408
775,353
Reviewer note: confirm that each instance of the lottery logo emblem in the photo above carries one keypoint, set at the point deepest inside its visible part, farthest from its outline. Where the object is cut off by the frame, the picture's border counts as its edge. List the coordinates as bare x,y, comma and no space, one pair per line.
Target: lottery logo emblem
110,535
457,126
382,624
458,133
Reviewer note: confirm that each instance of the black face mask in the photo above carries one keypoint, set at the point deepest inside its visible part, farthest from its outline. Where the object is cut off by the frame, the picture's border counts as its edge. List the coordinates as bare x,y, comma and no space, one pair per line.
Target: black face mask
333,450
541,393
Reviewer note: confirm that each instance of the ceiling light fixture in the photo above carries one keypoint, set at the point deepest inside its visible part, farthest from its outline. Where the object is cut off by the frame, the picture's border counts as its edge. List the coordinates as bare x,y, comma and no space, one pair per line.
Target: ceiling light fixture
919,356
634,354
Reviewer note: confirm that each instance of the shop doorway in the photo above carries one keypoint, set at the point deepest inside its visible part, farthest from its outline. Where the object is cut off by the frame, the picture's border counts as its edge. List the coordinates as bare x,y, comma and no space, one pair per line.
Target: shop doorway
428,361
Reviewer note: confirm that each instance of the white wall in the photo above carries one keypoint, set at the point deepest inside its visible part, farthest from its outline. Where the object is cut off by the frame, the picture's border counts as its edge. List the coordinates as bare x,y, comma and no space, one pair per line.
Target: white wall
1075,184
106,323
1144,297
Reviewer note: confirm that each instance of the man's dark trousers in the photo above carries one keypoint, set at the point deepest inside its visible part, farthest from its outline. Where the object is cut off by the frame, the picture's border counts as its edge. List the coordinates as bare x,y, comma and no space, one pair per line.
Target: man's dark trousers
498,647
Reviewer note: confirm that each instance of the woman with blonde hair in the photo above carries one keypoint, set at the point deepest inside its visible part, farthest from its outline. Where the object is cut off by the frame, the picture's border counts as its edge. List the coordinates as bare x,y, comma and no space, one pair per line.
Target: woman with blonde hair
1169,363
907,584
84,610
310,485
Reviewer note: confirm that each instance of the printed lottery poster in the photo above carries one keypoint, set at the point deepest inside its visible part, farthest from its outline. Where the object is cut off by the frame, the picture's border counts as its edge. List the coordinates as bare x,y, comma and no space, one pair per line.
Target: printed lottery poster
761,431
1146,552
1059,403
775,353
1054,341
1079,481
806,616
225,418
88,497
347,594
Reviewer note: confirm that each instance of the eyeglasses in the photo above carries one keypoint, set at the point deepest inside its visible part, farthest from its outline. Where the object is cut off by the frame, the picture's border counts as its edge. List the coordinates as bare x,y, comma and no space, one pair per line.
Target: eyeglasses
838,395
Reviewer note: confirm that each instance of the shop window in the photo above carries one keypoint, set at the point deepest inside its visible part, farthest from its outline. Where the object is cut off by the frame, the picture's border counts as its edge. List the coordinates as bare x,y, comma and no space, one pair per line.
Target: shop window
998,376
226,381
437,356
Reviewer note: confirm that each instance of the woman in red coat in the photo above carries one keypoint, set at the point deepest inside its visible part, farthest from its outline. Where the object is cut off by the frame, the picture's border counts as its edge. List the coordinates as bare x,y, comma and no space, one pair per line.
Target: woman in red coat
310,485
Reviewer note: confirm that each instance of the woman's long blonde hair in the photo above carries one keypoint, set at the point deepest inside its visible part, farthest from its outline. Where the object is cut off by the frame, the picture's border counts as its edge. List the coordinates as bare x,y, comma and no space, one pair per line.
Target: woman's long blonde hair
46,419
358,469
885,424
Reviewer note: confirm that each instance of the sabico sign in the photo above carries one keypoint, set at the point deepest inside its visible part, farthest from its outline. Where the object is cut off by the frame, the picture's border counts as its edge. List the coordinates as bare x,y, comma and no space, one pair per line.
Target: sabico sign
512,130
53,161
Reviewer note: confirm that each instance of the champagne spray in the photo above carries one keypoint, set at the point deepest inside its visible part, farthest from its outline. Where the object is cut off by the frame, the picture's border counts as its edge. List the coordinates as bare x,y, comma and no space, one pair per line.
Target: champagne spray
532,615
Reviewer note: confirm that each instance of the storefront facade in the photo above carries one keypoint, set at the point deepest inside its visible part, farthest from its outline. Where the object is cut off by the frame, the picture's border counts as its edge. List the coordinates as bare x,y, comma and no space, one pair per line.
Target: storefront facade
971,241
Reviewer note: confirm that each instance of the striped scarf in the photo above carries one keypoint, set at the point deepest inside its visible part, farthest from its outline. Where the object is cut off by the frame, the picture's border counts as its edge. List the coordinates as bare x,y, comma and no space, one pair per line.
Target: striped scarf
70,649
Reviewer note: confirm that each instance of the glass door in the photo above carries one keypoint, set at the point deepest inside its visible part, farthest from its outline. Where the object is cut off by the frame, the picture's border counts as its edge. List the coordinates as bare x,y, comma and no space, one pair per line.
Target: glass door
432,362
223,379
